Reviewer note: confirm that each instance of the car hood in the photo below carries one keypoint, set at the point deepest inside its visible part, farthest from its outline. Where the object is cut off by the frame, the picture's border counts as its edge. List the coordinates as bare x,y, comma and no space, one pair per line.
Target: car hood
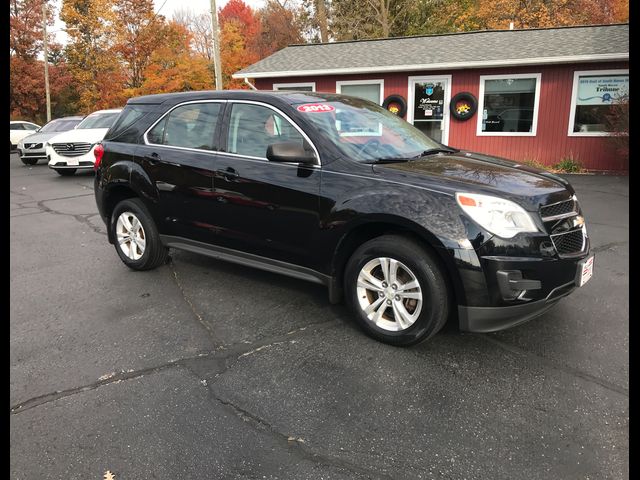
89,135
476,173
40,137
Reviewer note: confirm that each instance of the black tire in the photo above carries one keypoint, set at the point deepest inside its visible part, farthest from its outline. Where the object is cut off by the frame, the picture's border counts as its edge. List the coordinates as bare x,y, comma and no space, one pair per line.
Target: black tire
29,161
11,146
66,172
427,270
155,253
469,99
399,99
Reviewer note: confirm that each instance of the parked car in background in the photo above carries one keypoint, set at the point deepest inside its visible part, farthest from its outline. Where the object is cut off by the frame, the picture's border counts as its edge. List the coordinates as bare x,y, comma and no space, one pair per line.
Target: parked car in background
73,150
409,231
31,148
19,130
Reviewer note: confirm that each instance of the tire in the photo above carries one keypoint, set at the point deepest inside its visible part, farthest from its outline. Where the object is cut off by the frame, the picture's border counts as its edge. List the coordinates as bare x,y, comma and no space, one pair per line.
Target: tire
66,172
29,161
427,306
154,253
11,146
399,99
471,102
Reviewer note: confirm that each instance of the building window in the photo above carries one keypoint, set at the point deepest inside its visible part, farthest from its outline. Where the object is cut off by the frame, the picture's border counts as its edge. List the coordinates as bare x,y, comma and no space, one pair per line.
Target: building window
592,99
302,87
509,104
372,90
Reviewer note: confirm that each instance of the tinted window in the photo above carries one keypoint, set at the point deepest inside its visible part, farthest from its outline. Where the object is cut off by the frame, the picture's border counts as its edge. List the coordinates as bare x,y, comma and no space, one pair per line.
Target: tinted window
253,128
17,126
188,126
121,130
98,120
30,126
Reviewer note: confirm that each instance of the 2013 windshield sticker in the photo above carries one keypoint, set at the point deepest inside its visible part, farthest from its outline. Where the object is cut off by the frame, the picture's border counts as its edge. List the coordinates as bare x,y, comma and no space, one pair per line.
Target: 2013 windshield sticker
315,108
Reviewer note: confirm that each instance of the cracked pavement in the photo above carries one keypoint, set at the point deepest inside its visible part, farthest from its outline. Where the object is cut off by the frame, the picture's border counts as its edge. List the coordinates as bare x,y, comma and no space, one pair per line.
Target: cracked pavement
204,370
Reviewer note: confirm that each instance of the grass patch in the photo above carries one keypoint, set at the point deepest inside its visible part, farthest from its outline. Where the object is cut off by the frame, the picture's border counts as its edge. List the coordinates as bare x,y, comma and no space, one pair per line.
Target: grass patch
568,165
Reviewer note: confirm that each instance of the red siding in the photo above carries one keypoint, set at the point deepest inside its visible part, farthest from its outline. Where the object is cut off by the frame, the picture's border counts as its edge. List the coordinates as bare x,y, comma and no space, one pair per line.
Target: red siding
551,142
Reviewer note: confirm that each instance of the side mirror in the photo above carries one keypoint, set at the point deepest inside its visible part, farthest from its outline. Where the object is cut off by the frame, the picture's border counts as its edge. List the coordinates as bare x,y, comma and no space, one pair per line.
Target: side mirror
291,152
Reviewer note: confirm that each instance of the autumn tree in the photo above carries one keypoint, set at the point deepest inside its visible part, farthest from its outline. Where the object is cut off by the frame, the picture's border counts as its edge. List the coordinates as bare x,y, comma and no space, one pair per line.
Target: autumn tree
92,60
199,24
136,37
280,26
173,66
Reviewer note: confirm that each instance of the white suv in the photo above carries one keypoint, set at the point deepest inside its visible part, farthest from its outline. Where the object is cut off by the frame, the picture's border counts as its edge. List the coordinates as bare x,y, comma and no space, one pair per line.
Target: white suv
73,150
19,130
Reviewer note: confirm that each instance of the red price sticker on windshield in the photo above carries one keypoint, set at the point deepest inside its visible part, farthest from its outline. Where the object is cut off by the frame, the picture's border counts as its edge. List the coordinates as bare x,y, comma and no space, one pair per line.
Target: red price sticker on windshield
315,108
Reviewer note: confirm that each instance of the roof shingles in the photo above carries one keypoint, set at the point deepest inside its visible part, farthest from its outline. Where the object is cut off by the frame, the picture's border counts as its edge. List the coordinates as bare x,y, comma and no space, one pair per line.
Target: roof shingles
485,46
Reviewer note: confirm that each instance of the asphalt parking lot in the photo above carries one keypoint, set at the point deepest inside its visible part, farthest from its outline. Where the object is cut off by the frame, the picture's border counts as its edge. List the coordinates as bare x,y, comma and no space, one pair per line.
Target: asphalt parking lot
208,370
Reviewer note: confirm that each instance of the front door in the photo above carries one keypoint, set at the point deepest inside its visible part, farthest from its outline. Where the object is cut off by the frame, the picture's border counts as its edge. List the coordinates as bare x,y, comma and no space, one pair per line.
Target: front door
267,208
428,108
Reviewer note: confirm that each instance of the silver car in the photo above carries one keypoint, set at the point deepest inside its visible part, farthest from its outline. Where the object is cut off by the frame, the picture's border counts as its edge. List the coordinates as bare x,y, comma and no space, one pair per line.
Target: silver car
32,148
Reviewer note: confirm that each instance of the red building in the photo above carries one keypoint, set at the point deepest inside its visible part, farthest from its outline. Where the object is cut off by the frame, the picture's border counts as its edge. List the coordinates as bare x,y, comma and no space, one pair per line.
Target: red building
541,94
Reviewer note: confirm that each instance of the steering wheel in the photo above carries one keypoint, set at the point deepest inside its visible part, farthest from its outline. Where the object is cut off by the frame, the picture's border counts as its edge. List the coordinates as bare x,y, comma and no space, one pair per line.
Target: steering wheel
371,144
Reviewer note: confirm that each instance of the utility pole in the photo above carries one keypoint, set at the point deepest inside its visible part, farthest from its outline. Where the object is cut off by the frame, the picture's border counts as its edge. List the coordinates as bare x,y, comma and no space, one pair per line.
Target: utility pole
46,60
216,45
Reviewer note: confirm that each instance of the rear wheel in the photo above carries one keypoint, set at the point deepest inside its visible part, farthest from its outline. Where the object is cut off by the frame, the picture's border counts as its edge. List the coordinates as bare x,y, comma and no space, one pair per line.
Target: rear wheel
136,237
397,290
29,161
66,172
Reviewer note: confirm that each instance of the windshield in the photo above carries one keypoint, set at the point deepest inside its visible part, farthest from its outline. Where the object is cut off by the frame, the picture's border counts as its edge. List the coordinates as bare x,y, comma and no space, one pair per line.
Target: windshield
59,125
98,120
367,132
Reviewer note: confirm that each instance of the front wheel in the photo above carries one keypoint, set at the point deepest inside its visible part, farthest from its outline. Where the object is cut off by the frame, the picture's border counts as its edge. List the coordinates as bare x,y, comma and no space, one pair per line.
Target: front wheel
397,290
137,240
66,172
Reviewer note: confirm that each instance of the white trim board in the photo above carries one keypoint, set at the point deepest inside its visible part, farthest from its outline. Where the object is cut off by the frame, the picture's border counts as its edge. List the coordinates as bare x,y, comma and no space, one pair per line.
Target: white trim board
574,94
602,57
536,105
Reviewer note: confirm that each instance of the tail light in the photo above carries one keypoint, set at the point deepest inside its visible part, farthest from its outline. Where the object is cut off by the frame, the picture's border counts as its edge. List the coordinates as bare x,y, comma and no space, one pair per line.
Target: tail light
98,152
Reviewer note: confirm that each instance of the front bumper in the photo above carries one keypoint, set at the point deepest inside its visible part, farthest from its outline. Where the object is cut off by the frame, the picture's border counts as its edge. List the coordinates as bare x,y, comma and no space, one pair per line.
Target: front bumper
550,282
81,162
31,153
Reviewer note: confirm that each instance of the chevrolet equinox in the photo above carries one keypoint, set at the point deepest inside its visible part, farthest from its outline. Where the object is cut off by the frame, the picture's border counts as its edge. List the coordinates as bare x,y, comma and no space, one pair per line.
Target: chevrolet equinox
337,190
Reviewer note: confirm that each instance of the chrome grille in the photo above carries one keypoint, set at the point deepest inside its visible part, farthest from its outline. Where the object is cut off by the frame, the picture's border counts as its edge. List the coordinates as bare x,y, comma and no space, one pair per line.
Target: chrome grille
32,145
570,242
555,211
71,149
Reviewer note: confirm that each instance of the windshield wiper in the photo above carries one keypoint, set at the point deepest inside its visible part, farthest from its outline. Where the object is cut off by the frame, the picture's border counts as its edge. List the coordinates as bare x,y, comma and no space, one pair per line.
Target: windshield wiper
388,160
431,151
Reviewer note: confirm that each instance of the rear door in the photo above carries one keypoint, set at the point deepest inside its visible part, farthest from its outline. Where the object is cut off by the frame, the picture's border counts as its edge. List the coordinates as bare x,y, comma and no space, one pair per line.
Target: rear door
262,207
179,157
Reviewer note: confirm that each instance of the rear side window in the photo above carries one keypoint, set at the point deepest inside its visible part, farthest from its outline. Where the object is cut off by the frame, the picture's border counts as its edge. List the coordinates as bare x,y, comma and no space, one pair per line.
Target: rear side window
187,126
252,128
17,126
120,131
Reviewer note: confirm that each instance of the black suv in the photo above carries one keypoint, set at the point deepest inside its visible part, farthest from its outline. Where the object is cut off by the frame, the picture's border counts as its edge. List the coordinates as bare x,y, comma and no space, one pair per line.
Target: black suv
338,191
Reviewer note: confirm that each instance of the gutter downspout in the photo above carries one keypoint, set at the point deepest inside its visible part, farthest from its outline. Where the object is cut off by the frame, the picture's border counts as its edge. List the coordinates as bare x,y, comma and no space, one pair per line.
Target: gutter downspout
253,87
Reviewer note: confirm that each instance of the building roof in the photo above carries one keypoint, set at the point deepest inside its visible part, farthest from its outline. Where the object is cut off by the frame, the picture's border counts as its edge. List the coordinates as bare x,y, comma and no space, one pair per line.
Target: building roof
489,48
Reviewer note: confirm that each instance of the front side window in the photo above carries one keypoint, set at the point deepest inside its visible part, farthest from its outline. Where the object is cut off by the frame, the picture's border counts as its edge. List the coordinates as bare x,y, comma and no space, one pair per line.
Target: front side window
371,91
188,126
252,128
594,99
508,104
98,120
30,126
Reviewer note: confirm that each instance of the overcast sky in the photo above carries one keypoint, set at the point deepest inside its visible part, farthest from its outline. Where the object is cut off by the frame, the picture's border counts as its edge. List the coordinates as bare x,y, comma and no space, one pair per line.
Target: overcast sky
165,7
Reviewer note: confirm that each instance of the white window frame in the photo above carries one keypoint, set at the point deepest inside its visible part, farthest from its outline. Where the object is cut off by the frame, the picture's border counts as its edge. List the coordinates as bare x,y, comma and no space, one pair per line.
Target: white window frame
574,96
377,81
411,100
284,86
536,105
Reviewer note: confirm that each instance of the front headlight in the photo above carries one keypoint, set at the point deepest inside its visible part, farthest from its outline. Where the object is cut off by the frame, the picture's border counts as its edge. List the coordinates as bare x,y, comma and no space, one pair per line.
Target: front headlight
497,215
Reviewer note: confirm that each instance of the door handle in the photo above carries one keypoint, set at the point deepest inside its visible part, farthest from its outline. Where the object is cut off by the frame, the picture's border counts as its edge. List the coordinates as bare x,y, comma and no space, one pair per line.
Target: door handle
152,158
228,173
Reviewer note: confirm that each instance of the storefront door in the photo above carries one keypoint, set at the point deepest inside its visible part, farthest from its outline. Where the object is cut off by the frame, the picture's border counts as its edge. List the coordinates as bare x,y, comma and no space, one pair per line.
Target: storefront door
428,108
